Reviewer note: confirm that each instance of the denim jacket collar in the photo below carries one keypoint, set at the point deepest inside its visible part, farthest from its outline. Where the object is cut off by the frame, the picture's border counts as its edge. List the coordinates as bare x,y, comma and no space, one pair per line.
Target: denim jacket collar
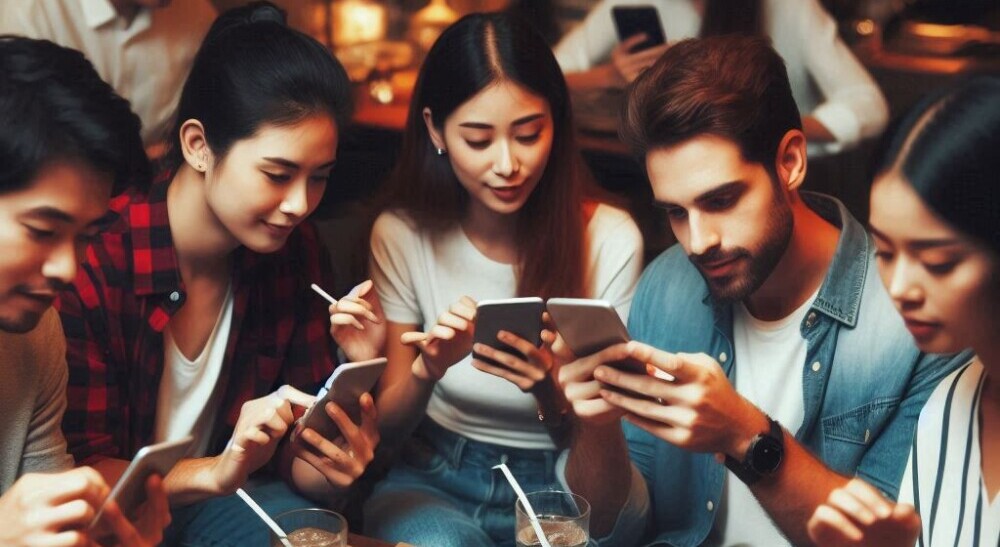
840,294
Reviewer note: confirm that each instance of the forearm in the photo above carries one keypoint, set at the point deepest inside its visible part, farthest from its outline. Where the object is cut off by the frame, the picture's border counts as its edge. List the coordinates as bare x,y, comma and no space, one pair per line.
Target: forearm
600,447
401,406
193,480
553,411
307,480
801,485
815,130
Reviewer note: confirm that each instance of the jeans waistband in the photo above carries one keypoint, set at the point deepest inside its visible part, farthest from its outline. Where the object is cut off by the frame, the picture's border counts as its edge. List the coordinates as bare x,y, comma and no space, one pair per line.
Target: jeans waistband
460,450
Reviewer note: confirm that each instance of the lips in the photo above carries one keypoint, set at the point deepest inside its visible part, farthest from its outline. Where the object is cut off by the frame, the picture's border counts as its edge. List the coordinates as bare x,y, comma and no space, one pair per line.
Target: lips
279,229
921,330
40,301
507,193
719,268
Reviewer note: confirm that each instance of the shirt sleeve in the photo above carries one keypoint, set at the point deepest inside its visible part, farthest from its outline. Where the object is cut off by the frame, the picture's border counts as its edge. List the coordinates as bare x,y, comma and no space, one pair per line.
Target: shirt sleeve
853,106
93,389
45,445
617,260
885,461
590,42
393,243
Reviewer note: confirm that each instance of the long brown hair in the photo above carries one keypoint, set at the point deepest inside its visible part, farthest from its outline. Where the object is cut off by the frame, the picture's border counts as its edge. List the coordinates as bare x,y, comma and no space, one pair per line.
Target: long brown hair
478,51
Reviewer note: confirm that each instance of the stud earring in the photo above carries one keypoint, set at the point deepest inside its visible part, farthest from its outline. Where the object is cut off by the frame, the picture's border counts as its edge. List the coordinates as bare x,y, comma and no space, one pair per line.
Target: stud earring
441,151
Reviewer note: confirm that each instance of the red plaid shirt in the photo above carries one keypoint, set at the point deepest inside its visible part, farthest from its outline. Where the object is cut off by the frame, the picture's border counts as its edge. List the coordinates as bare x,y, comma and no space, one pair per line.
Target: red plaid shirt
124,296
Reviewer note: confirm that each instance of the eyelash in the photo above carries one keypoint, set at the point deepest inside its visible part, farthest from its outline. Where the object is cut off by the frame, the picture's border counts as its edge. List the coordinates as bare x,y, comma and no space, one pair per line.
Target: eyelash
38,234
276,177
525,139
933,269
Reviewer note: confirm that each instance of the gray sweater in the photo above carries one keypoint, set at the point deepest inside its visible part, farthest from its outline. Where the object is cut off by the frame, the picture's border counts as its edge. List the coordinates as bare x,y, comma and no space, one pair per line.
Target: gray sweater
33,379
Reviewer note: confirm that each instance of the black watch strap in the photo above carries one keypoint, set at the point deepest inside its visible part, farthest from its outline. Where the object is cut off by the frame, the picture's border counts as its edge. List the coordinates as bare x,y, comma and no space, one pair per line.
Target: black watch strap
744,470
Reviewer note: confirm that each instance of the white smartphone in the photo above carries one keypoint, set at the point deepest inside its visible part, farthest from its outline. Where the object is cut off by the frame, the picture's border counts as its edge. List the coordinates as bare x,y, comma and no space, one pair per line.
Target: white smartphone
155,459
345,386
519,316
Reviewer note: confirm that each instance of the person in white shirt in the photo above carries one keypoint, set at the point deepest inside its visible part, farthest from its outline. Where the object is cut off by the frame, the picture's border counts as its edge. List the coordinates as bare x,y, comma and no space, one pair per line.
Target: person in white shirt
936,221
143,48
840,102
487,202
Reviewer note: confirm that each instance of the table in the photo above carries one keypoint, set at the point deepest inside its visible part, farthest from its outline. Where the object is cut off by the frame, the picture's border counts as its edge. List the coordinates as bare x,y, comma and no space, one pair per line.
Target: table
354,540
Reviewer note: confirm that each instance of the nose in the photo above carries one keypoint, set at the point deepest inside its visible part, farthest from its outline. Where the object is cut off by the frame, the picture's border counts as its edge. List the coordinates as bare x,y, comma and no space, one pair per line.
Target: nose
903,285
62,263
702,234
505,165
295,202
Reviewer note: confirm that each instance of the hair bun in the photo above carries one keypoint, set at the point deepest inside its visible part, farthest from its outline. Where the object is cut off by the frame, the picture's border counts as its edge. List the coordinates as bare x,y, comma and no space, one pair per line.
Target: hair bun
260,11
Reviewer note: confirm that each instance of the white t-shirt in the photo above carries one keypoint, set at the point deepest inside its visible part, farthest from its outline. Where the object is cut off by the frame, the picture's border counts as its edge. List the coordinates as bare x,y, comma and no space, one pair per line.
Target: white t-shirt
146,60
827,81
419,276
185,404
768,367
947,469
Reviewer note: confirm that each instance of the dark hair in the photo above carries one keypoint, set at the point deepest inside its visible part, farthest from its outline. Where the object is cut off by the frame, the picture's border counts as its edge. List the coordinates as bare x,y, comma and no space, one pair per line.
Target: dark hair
732,17
476,52
253,70
734,87
948,149
55,106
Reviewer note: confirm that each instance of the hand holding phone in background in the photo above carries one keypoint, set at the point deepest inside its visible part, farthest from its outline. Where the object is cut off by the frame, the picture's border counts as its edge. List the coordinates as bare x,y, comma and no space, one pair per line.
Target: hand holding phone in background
641,37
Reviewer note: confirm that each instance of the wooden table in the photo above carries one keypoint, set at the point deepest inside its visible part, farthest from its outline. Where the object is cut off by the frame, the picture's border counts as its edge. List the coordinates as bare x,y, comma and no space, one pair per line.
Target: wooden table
354,540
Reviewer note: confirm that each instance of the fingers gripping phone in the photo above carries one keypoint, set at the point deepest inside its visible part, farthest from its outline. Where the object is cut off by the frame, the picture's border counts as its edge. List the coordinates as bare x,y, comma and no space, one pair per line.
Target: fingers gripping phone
519,316
344,387
588,326
155,459
632,20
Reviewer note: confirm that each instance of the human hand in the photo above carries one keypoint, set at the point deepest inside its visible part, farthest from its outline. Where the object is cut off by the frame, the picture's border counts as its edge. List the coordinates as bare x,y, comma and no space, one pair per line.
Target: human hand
629,65
51,509
262,424
576,378
529,373
146,530
699,410
858,515
357,323
341,461
446,343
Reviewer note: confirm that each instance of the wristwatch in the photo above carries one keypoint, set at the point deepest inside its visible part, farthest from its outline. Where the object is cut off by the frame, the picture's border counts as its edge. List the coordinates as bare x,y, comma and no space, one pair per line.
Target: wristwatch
763,457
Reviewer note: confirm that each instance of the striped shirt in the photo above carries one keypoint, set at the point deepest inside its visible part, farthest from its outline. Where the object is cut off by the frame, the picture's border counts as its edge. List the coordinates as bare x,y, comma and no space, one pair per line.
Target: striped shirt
944,477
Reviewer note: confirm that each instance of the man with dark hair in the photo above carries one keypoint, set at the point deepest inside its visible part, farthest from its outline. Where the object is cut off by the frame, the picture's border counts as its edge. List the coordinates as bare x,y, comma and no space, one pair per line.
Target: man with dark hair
772,347
65,140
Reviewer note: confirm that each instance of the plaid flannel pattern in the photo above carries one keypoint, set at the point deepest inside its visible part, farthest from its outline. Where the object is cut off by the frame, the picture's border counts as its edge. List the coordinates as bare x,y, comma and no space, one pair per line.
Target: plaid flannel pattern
126,292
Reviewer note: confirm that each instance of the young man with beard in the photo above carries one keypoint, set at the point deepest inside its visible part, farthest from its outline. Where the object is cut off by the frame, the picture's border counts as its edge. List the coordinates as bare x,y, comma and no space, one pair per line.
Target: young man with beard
789,365
66,140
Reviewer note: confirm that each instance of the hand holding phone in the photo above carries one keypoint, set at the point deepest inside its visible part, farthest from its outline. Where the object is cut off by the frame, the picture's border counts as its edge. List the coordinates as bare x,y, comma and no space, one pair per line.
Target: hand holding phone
521,317
634,20
344,387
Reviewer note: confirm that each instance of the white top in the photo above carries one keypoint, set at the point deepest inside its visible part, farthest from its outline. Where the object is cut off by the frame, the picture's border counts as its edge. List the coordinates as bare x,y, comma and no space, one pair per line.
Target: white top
944,477
145,60
419,275
185,404
827,81
768,367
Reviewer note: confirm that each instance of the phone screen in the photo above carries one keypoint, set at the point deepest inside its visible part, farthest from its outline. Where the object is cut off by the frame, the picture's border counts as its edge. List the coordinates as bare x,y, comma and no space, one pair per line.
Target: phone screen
632,20
519,316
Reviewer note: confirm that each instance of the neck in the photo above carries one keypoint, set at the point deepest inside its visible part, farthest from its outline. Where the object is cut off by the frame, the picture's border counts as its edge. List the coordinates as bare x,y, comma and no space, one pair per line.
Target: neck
494,234
125,9
801,269
988,354
201,241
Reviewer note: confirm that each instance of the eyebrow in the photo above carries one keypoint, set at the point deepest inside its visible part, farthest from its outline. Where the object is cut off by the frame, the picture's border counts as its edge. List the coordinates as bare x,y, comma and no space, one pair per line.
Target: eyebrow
51,213
520,121
917,244
723,188
292,165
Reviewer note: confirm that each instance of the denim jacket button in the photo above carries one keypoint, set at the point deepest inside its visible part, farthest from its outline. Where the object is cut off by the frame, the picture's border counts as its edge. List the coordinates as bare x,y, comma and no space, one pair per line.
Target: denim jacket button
816,366
175,296
723,357
710,506
811,319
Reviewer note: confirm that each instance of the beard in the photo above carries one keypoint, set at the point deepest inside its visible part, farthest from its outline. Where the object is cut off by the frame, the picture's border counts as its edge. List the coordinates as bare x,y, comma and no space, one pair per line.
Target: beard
759,261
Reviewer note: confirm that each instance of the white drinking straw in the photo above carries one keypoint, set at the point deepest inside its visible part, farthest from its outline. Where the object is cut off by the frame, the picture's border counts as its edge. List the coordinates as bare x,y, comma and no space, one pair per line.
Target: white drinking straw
324,294
264,517
527,505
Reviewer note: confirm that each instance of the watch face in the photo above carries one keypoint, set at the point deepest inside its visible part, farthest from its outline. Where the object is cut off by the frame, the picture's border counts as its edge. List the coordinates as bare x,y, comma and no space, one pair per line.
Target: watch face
766,455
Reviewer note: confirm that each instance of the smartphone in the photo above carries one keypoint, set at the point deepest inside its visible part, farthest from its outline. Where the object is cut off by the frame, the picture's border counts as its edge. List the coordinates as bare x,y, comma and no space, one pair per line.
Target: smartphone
632,20
520,316
588,326
345,386
155,459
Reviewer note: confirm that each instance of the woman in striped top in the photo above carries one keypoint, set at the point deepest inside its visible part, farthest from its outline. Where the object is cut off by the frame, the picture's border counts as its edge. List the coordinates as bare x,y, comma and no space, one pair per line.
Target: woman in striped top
936,221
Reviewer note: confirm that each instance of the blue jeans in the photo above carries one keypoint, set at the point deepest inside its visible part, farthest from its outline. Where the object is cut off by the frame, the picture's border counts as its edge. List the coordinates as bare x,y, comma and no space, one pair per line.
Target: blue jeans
443,491
228,521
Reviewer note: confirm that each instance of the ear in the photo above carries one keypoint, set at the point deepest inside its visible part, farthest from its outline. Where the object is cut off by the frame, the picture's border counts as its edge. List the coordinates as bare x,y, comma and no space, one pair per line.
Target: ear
791,162
194,146
437,138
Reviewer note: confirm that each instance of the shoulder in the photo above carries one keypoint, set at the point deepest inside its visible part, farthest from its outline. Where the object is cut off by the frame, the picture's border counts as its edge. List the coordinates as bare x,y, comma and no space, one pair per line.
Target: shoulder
610,224
40,353
396,228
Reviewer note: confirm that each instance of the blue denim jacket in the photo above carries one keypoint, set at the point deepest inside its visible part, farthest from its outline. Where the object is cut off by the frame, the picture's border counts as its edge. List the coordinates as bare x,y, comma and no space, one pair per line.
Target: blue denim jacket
864,382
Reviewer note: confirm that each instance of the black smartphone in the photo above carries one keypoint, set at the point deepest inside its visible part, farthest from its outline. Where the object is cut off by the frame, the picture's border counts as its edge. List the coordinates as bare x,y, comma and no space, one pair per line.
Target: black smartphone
632,20
520,316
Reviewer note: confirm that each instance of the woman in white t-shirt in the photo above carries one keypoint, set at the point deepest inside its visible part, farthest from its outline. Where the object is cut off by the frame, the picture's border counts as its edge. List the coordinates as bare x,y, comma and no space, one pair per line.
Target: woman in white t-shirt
840,102
936,221
486,202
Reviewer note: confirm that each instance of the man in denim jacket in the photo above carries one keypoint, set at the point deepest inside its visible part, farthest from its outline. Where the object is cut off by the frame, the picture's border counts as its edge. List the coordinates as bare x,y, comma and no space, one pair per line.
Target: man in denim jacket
789,364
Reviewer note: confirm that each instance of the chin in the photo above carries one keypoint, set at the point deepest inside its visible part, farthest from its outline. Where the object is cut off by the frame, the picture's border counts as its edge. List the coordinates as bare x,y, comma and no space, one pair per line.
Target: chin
23,323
